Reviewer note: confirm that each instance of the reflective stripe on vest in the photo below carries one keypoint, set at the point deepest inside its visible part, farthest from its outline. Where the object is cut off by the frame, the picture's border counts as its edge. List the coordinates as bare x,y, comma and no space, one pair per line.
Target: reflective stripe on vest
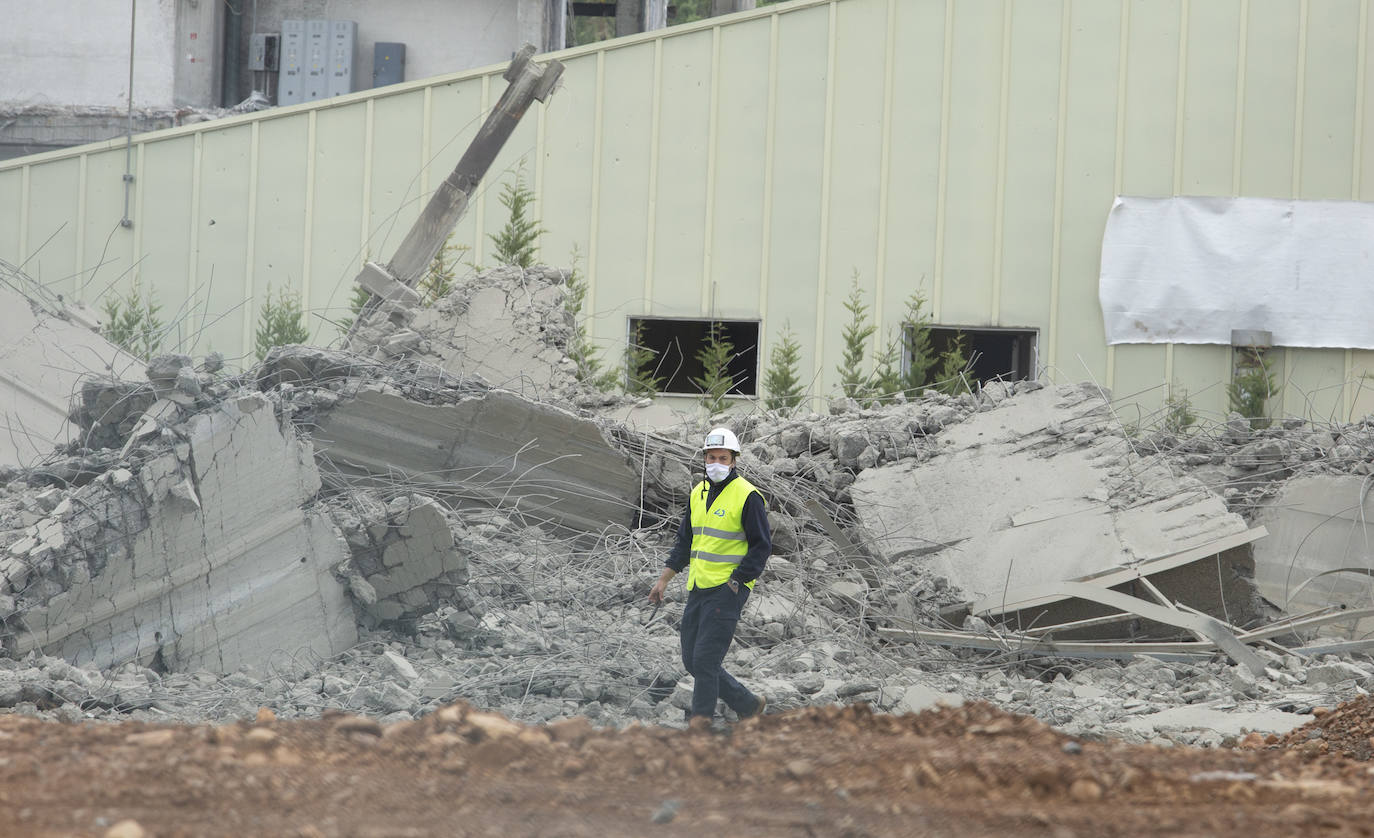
718,539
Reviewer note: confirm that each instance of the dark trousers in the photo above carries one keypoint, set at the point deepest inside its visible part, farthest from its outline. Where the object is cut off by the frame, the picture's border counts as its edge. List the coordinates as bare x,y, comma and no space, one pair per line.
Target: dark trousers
708,627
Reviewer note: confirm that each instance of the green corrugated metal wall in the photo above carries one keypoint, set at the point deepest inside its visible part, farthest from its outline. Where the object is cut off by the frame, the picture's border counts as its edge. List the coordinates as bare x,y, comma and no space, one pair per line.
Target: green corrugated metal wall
747,166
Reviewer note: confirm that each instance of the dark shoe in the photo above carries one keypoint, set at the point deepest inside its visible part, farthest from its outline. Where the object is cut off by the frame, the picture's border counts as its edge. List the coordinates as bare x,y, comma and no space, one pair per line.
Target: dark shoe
699,724
759,708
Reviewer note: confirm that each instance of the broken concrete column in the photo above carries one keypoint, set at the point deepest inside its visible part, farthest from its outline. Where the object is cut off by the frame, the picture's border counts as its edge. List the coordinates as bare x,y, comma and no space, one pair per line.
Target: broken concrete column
206,555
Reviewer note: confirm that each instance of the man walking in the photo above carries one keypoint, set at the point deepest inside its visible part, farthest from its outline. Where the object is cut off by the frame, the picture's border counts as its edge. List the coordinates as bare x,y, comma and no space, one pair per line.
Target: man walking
723,541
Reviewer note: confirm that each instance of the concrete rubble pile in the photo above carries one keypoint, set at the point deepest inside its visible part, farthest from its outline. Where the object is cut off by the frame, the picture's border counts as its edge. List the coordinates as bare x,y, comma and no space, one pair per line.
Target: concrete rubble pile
383,530
506,327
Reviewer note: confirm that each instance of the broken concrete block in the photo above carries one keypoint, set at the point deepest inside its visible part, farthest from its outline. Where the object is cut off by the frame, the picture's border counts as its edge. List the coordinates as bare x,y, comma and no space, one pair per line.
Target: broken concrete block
43,358
1336,672
163,369
399,668
918,698
226,583
379,281
1316,525
497,449
1009,503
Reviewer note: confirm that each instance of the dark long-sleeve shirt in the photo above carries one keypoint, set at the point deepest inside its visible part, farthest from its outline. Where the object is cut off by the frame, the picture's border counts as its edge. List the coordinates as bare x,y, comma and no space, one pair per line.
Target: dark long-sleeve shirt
756,531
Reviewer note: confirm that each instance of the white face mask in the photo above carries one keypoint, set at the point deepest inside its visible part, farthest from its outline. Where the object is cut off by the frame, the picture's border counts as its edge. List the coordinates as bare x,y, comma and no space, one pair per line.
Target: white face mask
717,471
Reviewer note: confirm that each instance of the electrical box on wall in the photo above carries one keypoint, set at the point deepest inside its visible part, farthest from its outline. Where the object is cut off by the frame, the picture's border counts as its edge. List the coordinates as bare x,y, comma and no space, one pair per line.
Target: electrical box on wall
316,81
264,51
343,37
316,60
388,63
291,82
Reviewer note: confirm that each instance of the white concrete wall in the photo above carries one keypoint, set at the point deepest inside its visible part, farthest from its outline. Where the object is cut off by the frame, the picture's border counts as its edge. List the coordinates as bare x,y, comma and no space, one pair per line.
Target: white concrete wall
77,53
441,36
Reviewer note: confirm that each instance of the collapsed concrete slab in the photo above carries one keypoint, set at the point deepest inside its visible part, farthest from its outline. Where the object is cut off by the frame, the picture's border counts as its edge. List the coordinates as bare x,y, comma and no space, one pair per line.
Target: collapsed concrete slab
44,352
1048,491
205,553
1318,555
491,449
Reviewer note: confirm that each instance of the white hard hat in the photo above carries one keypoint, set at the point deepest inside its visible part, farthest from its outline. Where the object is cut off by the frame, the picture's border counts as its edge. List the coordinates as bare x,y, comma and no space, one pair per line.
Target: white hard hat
721,438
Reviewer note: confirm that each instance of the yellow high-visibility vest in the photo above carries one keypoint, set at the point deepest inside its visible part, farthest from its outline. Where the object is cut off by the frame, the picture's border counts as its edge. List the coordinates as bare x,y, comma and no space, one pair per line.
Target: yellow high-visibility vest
718,539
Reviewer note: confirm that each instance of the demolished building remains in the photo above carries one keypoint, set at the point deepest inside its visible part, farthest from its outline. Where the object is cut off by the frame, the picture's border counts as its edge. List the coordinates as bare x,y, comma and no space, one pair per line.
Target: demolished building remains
442,510
383,534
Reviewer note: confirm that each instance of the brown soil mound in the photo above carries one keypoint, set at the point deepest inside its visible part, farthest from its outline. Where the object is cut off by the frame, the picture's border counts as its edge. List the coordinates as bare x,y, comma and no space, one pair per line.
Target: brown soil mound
819,772
1345,730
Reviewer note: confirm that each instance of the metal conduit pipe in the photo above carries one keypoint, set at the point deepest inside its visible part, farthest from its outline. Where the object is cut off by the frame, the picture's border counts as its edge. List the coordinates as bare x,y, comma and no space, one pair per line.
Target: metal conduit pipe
126,221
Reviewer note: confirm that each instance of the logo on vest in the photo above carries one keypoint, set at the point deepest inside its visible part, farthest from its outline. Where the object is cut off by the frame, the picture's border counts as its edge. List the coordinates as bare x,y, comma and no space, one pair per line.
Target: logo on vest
719,513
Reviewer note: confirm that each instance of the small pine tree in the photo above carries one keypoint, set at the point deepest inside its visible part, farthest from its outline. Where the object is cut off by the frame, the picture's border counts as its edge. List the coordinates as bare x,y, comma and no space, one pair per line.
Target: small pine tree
916,334
887,373
639,366
1178,411
437,281
951,375
715,381
517,243
580,349
781,381
131,322
355,306
853,381
280,322
1252,386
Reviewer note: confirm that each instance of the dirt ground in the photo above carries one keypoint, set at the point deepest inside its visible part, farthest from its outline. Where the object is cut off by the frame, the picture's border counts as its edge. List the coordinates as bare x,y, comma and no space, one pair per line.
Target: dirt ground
829,771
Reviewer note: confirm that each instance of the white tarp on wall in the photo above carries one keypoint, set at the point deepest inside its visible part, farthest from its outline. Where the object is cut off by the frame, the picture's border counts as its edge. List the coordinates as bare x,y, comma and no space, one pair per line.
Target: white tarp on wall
1189,270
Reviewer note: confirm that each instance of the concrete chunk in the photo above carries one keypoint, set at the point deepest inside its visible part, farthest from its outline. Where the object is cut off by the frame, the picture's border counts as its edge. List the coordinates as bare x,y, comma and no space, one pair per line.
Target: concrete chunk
1013,501
1316,524
217,585
497,450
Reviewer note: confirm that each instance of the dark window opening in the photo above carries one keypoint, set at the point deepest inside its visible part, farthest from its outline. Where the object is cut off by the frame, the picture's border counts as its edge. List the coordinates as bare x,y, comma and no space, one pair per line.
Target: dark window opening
593,8
1008,354
675,344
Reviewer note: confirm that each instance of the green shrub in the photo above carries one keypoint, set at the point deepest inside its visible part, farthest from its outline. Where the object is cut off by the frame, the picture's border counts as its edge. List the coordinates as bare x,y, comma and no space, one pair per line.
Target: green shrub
437,281
854,383
1253,385
715,381
580,349
952,371
1178,411
131,322
280,322
781,381
518,242
916,333
640,379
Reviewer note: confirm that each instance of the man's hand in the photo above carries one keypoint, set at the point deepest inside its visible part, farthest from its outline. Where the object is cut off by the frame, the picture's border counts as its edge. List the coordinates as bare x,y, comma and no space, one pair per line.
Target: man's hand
661,586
